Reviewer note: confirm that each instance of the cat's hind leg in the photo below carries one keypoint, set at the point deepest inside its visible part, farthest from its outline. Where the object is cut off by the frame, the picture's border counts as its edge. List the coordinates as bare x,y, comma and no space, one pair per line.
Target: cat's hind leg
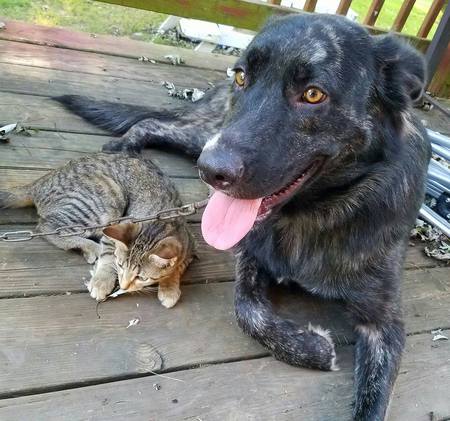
89,248
104,275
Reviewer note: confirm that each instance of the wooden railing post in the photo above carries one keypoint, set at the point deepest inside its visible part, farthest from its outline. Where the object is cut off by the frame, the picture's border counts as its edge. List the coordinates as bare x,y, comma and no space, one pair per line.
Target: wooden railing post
373,12
439,42
402,15
310,5
438,54
430,18
343,7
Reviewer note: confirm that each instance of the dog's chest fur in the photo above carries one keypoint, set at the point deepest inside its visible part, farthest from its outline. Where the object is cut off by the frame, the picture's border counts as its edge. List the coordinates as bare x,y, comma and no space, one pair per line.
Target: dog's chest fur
330,263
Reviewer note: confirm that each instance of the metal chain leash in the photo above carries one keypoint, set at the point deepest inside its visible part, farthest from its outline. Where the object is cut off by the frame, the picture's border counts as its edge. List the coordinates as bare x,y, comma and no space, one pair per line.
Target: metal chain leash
68,230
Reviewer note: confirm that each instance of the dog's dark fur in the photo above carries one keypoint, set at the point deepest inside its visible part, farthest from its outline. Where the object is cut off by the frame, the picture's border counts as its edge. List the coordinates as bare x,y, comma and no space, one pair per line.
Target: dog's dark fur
343,234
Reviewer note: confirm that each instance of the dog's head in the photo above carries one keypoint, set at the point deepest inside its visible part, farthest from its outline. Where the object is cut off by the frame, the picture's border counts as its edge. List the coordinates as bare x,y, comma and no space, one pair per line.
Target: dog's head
304,98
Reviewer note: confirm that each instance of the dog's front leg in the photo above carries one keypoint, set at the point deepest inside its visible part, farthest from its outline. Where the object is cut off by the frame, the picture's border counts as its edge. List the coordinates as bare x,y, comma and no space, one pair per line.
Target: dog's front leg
378,352
312,347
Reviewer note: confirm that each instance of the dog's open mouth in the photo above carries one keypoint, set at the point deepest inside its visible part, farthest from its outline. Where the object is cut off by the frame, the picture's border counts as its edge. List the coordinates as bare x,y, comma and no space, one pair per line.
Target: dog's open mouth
227,219
286,192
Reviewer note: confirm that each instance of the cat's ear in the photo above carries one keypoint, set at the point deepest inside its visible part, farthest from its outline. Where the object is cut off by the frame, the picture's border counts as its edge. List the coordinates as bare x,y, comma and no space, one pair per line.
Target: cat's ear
166,252
401,72
123,234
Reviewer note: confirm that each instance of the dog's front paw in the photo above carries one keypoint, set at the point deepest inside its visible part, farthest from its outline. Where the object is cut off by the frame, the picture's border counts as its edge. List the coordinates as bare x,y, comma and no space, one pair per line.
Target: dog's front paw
101,285
169,297
328,347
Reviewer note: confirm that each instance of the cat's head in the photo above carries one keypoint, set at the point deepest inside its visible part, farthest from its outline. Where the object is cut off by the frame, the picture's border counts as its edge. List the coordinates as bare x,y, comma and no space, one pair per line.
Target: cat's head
142,263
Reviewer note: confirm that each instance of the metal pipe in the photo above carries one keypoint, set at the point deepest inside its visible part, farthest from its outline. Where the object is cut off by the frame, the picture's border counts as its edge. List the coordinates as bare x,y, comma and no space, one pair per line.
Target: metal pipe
439,138
441,151
434,219
433,191
438,186
440,167
439,177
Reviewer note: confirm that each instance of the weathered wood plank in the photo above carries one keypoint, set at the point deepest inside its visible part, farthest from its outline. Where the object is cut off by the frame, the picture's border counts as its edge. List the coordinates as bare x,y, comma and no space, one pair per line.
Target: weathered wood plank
70,345
41,113
53,141
256,389
60,37
39,257
48,150
50,82
100,64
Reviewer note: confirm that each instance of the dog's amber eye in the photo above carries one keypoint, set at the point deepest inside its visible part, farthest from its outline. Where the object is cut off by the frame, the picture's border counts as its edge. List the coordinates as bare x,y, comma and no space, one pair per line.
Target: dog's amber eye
313,96
239,78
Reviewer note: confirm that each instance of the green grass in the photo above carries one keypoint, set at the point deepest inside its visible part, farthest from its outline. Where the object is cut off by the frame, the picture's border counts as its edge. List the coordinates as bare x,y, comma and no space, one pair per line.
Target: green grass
100,18
389,13
84,15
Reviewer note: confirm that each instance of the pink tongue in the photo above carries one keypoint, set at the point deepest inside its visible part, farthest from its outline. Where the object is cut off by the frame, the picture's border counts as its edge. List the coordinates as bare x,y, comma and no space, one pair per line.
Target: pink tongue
227,220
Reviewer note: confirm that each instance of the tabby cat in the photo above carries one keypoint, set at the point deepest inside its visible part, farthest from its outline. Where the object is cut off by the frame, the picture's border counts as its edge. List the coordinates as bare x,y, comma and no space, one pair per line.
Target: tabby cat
96,189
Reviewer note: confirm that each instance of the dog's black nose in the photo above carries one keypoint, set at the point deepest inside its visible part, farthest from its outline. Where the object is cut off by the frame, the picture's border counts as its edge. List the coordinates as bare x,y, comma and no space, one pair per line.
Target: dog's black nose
220,170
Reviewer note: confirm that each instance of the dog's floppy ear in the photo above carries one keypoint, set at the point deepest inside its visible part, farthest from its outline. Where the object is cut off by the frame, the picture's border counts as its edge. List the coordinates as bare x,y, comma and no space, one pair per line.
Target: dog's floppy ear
401,72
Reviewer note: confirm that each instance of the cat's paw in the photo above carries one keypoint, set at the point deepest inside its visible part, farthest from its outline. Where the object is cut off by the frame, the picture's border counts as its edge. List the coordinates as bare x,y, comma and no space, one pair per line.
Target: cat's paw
169,297
91,253
101,285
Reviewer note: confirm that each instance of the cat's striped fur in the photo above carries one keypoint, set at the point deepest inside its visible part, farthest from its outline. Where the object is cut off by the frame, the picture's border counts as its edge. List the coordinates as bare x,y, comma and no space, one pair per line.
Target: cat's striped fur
98,188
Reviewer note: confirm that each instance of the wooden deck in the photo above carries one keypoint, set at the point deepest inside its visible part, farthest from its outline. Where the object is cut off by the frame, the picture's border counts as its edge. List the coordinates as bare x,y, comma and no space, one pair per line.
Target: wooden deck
59,361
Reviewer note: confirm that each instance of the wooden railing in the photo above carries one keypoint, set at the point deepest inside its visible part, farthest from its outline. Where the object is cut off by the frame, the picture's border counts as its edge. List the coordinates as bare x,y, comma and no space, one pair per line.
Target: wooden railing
251,14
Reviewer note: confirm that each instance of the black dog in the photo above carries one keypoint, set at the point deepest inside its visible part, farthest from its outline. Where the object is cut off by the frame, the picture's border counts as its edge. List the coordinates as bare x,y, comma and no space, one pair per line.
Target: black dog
317,133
